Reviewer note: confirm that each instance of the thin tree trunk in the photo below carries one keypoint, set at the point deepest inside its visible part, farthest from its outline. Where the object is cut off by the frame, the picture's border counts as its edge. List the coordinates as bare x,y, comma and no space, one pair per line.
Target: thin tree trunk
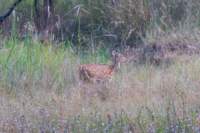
44,18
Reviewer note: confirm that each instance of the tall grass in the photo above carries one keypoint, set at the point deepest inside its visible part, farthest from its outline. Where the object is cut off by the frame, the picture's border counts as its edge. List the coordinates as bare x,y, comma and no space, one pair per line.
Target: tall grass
40,92
29,59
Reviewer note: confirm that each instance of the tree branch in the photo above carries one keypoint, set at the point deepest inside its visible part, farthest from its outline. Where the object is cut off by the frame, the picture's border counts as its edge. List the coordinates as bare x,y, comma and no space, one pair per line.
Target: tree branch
3,17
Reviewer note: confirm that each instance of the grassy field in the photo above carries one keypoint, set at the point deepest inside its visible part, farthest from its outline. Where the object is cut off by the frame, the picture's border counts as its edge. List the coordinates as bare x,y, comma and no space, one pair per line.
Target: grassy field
40,92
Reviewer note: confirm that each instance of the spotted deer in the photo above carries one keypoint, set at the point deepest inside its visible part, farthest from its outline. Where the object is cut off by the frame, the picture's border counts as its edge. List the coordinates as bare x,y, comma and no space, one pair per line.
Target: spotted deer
101,72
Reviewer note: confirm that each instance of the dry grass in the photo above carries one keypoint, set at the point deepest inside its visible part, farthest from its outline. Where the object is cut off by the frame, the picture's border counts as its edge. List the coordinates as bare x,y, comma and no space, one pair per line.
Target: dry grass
58,98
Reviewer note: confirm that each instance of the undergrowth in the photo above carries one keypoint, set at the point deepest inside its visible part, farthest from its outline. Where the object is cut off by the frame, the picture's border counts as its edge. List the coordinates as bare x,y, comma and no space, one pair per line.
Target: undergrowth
40,92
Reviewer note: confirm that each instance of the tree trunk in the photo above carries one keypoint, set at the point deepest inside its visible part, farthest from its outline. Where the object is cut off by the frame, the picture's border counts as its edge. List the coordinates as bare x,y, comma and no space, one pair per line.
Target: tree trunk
43,19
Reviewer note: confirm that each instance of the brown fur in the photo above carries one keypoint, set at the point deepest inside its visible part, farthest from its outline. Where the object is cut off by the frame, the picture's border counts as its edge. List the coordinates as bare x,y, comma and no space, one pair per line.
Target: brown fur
98,72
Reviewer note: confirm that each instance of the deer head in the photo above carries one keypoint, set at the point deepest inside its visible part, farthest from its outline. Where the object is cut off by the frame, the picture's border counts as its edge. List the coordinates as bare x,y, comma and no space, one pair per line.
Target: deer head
117,59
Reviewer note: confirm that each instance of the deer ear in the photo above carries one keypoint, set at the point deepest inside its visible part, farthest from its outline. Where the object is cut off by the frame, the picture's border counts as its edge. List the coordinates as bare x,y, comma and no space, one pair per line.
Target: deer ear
114,53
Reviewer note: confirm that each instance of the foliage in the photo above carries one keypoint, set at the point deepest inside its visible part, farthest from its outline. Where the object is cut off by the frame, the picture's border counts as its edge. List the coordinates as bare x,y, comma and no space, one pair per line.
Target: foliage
111,23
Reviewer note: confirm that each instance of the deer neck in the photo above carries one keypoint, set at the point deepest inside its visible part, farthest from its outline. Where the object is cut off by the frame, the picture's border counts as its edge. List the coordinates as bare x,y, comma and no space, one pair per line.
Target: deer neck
113,66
